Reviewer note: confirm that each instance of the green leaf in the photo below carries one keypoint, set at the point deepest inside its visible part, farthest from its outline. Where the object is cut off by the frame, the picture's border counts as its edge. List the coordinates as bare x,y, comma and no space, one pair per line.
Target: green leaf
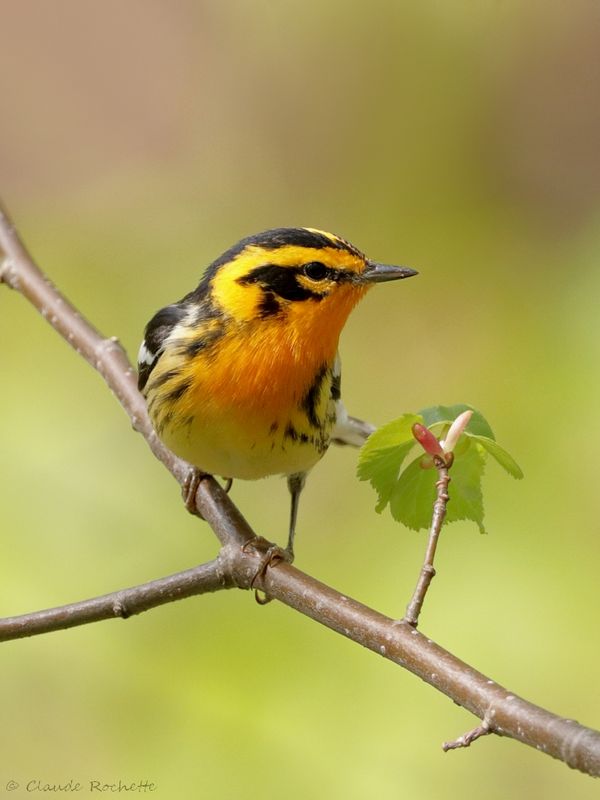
499,453
412,497
411,491
382,456
465,487
437,415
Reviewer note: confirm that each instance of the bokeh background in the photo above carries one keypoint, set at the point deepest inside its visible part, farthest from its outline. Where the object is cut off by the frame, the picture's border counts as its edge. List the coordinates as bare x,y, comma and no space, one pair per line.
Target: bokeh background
140,139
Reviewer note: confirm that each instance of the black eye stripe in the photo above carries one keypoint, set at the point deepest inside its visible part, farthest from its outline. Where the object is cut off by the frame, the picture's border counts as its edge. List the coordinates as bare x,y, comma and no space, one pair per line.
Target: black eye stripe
282,281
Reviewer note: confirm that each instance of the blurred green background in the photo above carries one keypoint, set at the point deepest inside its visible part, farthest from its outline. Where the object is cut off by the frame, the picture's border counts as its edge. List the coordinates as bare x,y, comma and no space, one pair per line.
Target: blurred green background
140,139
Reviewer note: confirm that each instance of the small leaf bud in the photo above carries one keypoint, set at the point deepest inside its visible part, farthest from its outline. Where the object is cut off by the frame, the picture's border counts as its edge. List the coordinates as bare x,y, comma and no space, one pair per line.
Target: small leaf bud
456,430
427,440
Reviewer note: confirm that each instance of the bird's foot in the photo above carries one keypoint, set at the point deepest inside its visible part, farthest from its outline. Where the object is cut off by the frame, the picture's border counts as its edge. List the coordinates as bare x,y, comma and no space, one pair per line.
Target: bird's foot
189,489
271,554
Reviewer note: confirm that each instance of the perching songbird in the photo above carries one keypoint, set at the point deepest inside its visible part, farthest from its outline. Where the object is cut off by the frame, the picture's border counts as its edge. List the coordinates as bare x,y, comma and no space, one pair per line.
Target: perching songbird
241,376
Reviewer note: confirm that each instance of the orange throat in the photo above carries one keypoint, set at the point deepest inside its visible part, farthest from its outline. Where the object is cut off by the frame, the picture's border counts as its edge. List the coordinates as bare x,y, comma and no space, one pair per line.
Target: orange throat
268,371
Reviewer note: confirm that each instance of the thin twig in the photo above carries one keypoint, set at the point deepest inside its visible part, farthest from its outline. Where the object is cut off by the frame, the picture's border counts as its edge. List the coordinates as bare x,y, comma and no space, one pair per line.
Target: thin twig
506,714
468,738
437,520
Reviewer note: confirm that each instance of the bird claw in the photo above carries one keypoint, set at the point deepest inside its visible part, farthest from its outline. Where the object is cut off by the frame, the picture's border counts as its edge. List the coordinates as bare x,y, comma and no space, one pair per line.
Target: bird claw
271,554
189,489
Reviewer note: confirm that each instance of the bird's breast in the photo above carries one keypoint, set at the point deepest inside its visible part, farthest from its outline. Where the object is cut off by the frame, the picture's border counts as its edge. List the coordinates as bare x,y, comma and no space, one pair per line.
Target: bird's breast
251,408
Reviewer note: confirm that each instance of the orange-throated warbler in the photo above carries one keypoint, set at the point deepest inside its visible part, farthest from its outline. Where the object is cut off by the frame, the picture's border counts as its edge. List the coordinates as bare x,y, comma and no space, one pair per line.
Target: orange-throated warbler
242,376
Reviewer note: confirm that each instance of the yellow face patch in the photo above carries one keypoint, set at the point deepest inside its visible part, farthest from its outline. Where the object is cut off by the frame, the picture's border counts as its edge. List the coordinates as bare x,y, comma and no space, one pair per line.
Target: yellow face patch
242,299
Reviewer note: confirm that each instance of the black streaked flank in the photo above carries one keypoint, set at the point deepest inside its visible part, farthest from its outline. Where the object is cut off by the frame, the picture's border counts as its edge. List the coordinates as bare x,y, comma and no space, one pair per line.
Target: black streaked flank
291,432
321,442
196,346
164,421
178,392
336,386
206,340
164,378
311,399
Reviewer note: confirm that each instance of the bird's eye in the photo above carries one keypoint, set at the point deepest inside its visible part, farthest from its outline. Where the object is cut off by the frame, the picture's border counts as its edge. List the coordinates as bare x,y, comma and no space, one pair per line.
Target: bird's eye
315,270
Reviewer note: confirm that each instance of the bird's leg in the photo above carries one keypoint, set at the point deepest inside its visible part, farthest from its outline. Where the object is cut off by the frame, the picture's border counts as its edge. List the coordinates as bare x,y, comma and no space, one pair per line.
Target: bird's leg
189,489
228,485
295,485
272,554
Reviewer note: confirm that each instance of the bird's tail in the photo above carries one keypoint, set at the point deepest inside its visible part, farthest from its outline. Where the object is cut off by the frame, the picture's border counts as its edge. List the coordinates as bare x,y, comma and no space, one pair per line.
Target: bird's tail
350,430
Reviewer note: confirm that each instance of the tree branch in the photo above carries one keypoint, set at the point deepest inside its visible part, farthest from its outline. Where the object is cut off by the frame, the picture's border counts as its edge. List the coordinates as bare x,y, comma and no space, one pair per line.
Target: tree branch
209,577
502,712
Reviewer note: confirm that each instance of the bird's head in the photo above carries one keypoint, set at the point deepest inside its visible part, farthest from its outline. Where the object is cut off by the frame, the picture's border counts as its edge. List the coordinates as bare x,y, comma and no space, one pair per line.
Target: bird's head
305,278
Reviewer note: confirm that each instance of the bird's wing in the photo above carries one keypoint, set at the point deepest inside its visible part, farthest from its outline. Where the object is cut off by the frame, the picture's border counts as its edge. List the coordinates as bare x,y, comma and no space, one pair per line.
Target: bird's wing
156,333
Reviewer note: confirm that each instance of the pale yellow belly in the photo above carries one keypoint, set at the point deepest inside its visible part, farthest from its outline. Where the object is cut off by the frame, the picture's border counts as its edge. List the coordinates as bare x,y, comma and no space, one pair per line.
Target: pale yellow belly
247,450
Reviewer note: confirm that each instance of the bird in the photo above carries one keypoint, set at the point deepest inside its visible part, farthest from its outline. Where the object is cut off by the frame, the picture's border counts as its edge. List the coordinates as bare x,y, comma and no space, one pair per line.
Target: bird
242,376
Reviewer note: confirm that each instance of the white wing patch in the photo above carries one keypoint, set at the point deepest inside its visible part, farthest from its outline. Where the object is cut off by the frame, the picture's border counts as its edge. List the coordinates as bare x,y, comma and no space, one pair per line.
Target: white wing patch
146,356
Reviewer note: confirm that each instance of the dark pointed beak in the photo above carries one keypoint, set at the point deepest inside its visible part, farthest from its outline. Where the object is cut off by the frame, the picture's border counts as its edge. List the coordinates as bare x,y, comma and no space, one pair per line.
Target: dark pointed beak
378,273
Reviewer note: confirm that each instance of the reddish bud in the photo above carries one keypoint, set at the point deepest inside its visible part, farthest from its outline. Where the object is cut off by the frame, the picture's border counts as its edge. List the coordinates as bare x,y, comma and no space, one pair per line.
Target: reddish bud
427,440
